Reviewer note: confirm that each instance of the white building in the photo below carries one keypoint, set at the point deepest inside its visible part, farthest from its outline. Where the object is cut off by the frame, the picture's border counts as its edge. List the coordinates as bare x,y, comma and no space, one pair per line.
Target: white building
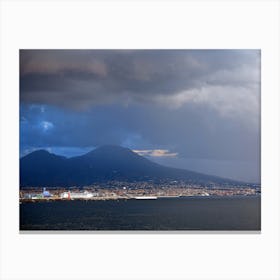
76,195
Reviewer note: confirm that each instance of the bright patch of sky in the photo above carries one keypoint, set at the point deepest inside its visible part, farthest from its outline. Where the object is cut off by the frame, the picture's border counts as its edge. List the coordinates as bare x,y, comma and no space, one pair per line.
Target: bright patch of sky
46,125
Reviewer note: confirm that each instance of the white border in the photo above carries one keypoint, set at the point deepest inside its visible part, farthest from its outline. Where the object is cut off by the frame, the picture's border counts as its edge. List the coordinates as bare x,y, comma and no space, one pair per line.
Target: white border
155,24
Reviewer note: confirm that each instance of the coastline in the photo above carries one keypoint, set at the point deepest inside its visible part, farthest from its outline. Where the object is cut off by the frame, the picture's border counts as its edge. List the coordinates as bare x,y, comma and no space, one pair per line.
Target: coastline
38,200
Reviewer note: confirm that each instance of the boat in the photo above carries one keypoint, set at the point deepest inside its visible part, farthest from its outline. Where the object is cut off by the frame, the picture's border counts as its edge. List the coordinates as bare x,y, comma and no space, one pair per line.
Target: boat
169,196
145,197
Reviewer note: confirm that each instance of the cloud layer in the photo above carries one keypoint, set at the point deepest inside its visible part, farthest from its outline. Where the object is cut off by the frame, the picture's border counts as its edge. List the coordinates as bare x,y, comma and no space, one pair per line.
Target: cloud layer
79,79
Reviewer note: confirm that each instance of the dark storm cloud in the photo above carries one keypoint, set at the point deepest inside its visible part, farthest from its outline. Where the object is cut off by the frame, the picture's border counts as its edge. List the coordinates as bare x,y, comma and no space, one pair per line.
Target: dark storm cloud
82,78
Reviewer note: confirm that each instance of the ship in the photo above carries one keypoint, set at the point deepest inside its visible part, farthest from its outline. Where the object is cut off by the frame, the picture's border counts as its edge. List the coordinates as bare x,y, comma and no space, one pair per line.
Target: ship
145,197
169,196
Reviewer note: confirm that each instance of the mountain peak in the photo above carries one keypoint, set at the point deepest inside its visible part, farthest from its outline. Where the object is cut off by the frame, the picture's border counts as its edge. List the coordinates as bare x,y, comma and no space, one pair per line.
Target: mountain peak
40,152
110,149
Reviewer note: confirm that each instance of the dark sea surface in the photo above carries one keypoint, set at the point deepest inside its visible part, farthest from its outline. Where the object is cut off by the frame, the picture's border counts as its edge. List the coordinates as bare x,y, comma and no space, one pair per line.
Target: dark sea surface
184,213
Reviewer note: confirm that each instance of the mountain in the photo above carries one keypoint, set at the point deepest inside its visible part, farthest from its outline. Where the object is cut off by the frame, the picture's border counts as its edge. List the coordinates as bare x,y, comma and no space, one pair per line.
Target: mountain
41,168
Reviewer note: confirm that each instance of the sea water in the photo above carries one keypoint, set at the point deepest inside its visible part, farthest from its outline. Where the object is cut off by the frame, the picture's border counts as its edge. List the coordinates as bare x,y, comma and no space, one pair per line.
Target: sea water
184,213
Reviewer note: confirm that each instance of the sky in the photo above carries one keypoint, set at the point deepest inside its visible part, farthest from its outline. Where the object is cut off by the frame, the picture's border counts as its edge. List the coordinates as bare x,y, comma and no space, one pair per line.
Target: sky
190,109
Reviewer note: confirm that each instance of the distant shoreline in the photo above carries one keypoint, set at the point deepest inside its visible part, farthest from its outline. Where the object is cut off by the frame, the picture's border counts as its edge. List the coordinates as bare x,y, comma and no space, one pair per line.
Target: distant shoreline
134,198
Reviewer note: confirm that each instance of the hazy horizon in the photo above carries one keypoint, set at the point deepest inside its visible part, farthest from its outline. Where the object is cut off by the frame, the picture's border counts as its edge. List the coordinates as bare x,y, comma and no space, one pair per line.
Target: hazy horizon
191,109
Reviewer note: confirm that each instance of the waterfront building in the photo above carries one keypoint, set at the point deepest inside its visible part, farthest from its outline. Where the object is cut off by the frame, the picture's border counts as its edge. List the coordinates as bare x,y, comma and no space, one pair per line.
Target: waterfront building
76,195
46,193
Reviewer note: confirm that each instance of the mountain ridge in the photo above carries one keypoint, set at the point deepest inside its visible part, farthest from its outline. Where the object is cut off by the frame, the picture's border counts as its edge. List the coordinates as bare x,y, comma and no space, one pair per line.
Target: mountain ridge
105,163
